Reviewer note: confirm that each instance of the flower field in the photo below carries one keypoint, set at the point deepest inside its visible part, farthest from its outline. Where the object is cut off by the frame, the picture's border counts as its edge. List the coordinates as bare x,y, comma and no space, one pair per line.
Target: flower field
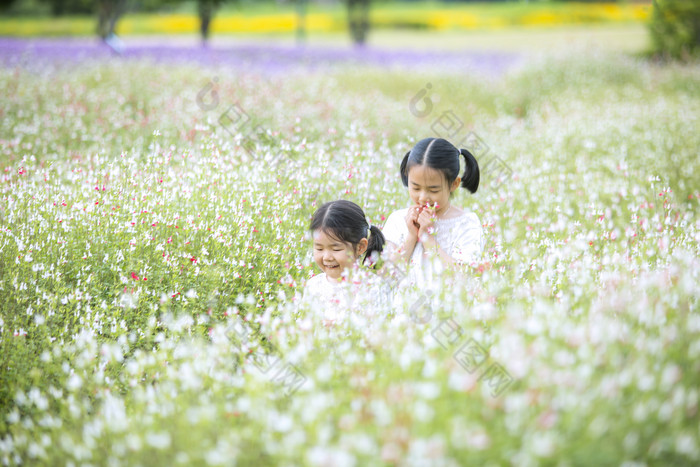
153,251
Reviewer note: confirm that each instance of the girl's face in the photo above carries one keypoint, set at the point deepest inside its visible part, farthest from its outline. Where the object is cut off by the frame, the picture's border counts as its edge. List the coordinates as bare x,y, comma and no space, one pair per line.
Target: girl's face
428,186
333,256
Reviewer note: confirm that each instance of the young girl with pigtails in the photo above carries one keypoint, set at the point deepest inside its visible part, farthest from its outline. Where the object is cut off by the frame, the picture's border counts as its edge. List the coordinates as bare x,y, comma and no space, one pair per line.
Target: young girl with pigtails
343,241
432,234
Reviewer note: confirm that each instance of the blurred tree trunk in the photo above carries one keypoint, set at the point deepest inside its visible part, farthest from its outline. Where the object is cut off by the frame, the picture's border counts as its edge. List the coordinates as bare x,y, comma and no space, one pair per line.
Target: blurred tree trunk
301,20
206,12
207,9
5,4
358,20
108,13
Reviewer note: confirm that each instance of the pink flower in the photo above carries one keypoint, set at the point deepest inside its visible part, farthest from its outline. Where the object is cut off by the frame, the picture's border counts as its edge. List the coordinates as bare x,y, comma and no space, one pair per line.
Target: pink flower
134,276
547,419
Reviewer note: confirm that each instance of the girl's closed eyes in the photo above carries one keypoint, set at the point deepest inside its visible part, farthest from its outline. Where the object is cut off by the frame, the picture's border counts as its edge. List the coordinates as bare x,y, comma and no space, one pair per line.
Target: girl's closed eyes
432,227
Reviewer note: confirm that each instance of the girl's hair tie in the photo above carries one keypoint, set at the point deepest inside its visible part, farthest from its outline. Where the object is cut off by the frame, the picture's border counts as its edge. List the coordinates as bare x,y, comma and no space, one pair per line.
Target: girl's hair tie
369,231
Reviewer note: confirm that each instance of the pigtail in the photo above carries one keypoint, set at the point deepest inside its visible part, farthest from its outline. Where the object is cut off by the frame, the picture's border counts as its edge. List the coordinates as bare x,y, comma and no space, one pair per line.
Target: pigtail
375,244
404,172
470,179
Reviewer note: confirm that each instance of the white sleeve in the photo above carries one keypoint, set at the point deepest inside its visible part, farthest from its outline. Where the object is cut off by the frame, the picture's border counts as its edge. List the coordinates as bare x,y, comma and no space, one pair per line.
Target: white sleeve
468,242
395,229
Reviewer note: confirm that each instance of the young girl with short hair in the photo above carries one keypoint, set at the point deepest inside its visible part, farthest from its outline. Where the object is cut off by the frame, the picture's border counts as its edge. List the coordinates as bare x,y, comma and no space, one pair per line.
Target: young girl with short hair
343,240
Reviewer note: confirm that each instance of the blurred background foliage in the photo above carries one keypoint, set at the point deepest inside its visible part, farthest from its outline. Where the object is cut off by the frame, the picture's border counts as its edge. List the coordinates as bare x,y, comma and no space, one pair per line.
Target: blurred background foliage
674,25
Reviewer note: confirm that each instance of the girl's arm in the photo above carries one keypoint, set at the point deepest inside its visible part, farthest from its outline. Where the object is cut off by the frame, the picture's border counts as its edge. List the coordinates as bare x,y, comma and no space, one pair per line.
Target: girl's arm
430,246
402,253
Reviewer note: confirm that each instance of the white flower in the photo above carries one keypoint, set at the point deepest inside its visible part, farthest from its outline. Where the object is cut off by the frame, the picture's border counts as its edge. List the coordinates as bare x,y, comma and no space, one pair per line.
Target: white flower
543,444
133,442
329,457
114,412
160,440
74,382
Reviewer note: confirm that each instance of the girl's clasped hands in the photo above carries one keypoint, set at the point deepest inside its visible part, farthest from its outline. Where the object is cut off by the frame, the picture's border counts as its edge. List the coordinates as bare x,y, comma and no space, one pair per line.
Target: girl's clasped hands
420,220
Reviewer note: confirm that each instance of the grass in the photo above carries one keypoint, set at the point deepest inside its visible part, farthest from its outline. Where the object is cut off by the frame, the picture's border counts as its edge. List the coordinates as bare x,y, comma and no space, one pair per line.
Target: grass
632,38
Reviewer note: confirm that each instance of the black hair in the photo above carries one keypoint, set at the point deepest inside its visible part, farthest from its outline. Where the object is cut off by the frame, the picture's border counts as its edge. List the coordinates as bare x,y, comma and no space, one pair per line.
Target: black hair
440,154
346,221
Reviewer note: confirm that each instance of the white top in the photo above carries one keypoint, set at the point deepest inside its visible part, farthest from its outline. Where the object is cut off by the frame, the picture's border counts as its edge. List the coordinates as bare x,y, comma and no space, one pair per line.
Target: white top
325,294
460,237
334,299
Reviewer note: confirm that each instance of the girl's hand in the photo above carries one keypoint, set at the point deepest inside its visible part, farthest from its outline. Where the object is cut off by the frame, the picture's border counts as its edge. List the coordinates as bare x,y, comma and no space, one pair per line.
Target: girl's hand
412,221
426,222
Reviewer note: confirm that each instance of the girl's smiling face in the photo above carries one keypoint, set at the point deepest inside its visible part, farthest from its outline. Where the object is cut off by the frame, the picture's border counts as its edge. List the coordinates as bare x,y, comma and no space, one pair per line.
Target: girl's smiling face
427,186
333,256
